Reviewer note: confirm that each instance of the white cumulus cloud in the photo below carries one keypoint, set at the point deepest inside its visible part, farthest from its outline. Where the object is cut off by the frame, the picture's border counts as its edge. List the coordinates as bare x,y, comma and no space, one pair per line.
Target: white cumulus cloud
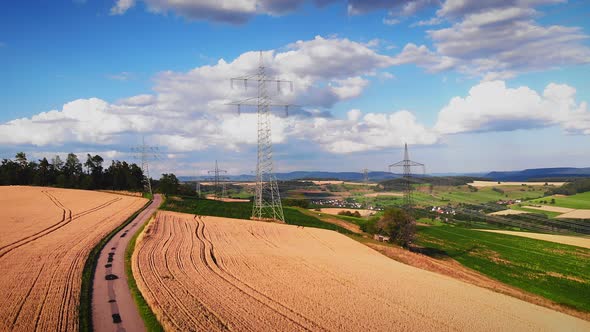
497,39
371,131
491,106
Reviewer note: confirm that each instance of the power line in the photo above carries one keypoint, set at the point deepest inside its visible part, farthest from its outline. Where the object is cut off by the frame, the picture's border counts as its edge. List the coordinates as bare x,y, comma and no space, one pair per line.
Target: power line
407,165
145,154
366,185
267,200
219,181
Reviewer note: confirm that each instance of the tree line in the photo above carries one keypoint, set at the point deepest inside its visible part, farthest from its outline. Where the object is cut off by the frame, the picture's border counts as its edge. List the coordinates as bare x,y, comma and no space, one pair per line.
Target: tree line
573,187
71,173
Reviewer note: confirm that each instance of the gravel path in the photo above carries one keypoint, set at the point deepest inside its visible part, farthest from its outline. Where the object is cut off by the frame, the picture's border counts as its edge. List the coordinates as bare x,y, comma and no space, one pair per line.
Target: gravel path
112,297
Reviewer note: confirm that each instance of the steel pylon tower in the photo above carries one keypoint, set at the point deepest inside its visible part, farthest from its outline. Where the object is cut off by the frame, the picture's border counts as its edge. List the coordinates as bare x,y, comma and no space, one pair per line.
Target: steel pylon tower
366,182
267,200
407,165
218,179
145,154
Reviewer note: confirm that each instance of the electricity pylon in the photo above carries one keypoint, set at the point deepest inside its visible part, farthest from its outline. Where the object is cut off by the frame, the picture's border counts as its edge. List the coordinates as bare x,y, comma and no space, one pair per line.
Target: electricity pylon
366,182
407,165
145,154
267,200
219,181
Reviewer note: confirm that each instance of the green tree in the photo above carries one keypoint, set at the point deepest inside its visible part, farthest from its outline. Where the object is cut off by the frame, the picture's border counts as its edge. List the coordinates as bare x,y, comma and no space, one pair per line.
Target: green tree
23,175
168,184
398,225
43,172
94,168
72,170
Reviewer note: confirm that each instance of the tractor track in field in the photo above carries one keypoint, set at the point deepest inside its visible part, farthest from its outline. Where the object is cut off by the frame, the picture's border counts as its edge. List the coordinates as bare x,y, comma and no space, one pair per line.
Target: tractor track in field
67,218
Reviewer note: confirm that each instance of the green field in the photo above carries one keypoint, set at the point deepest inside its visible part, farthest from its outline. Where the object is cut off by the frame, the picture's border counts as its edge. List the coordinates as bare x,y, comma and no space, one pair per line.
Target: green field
577,201
444,195
242,210
555,271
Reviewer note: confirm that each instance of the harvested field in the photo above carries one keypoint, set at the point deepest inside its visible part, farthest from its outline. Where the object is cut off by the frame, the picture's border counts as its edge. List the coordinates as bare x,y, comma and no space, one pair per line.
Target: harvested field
576,214
319,183
211,274
506,212
46,235
384,194
549,208
335,211
577,241
360,184
502,183
227,199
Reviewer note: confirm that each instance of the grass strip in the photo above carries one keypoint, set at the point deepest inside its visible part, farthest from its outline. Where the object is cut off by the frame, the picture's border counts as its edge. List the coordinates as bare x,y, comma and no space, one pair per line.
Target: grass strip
85,309
146,313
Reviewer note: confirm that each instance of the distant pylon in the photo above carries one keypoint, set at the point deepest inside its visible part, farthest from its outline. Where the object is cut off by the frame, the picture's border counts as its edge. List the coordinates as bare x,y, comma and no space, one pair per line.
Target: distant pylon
366,182
146,153
219,181
407,165
267,199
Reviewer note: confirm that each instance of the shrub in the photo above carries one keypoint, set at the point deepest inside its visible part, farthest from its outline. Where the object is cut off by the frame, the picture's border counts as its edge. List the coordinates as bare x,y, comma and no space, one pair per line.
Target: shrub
349,214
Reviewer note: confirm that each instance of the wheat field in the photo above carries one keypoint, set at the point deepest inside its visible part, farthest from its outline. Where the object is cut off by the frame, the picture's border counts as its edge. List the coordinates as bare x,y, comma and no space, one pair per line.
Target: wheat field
214,274
46,235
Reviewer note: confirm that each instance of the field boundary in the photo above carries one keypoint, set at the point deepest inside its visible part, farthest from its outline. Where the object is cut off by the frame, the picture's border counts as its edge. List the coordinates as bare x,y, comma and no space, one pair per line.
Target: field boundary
85,309
146,313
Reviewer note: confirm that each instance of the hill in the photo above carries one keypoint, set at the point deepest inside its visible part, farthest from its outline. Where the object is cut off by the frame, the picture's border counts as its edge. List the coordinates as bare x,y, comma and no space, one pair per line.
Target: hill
311,175
218,274
540,174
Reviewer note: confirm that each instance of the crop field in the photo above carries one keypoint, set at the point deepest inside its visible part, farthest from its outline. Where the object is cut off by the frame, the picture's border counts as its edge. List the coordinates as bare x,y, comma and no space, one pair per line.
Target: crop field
578,241
46,235
506,212
212,274
508,183
576,214
243,210
577,201
362,212
555,271
443,195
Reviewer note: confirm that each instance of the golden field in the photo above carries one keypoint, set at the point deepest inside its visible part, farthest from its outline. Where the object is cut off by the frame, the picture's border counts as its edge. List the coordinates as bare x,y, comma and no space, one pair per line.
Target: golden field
46,235
212,274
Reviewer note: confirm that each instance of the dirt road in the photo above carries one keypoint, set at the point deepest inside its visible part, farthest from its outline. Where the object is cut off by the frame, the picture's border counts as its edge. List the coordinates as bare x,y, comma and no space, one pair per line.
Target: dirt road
111,299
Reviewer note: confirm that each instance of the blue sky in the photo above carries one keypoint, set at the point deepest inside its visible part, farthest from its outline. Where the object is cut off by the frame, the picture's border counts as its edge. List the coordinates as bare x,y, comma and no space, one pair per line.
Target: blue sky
470,87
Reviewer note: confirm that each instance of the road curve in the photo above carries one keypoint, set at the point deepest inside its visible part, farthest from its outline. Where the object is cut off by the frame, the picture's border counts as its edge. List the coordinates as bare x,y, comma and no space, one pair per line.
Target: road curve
112,297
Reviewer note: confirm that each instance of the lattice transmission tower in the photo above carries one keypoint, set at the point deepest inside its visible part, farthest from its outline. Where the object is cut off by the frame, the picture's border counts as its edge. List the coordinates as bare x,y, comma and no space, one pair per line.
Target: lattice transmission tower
366,182
407,165
267,199
219,181
145,154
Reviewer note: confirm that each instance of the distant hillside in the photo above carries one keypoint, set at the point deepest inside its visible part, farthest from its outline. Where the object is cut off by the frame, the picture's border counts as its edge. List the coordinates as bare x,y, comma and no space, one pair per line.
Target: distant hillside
540,174
301,175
